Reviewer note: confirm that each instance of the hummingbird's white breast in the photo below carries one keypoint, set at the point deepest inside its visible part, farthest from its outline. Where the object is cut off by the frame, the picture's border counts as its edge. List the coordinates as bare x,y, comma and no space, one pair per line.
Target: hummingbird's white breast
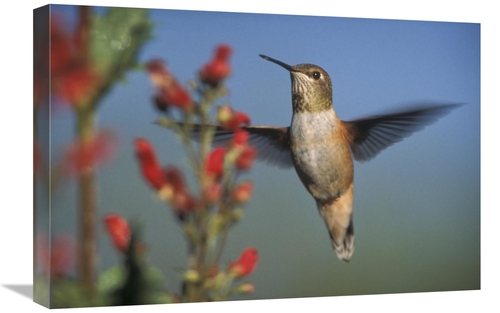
313,127
322,161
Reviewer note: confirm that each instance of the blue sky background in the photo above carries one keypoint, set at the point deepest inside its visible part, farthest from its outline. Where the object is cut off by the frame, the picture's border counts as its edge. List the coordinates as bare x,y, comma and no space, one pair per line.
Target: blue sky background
416,205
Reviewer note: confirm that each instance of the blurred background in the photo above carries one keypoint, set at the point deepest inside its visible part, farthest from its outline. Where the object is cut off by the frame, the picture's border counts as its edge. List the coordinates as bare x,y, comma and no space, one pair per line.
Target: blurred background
417,205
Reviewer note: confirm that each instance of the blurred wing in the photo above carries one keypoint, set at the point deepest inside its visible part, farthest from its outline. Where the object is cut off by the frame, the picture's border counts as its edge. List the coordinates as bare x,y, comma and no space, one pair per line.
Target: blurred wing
272,143
369,136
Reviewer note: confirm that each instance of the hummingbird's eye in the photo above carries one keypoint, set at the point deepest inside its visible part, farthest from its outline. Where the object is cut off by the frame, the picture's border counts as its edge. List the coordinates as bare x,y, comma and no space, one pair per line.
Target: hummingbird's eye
316,75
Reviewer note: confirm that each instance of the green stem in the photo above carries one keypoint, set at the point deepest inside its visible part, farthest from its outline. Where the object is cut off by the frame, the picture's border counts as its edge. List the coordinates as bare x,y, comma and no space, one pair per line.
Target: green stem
87,201
197,291
222,243
204,248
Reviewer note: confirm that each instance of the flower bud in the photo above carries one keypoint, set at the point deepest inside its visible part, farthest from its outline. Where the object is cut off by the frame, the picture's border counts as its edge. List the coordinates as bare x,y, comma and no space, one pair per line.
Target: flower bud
244,288
166,192
231,119
224,114
243,192
240,138
218,69
119,231
237,214
170,91
216,224
214,164
246,158
149,166
181,199
191,276
212,193
245,264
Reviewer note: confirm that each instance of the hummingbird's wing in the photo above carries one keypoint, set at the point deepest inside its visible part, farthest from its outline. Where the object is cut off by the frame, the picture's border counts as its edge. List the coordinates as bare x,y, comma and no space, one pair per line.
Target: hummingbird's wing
369,136
272,143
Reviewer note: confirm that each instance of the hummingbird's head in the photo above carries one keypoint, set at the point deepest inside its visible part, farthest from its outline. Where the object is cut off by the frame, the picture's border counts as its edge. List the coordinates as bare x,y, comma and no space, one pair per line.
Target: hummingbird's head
311,86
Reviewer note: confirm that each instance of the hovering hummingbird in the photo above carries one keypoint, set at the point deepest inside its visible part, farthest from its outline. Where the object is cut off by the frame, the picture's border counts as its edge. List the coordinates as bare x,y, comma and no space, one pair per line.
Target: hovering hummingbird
321,147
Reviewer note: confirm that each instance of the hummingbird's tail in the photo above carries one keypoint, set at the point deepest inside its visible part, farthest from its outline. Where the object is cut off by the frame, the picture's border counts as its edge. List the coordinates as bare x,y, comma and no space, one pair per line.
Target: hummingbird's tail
337,214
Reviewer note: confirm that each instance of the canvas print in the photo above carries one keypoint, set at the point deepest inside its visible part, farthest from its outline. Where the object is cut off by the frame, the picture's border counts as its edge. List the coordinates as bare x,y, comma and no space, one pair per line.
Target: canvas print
190,156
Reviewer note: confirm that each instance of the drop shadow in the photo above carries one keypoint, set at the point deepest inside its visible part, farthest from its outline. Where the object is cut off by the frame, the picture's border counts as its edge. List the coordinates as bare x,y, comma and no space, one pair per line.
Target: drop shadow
24,290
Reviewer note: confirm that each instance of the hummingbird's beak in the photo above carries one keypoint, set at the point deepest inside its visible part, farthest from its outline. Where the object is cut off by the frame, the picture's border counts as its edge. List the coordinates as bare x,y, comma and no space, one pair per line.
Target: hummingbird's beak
284,65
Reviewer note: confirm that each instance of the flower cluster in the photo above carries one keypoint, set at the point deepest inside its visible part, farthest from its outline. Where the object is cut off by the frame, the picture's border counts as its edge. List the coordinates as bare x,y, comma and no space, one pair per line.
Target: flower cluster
182,200
219,282
205,217
214,72
239,154
56,259
72,73
168,182
231,119
246,153
82,155
170,91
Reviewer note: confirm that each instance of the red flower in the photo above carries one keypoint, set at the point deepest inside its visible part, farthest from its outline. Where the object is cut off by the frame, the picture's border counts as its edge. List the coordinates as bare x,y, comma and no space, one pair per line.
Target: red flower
218,69
119,231
175,178
231,119
243,192
246,158
170,91
74,83
150,168
61,47
212,193
240,138
182,200
214,165
223,52
72,74
80,156
245,264
57,260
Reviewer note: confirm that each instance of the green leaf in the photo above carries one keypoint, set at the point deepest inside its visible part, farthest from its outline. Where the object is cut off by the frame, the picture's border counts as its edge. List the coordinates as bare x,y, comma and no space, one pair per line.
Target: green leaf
69,294
41,291
117,37
111,279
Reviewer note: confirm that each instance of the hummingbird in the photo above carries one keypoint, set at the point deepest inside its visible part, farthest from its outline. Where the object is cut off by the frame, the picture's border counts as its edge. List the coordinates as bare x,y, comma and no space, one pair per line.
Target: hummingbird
321,147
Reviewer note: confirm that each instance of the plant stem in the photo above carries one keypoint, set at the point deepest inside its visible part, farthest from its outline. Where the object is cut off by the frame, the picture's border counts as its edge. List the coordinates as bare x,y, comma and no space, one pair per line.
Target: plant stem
85,114
87,211
203,249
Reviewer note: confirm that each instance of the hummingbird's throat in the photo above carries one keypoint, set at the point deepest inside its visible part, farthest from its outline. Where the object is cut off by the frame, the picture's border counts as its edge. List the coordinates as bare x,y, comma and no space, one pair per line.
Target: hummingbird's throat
305,97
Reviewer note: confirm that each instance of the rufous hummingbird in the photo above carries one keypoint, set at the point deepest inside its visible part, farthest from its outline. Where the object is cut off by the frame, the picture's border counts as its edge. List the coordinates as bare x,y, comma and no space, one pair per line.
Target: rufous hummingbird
321,147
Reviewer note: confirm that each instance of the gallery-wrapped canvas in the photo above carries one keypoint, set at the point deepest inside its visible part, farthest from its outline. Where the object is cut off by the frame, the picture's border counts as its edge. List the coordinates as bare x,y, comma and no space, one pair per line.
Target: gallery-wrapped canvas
184,156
